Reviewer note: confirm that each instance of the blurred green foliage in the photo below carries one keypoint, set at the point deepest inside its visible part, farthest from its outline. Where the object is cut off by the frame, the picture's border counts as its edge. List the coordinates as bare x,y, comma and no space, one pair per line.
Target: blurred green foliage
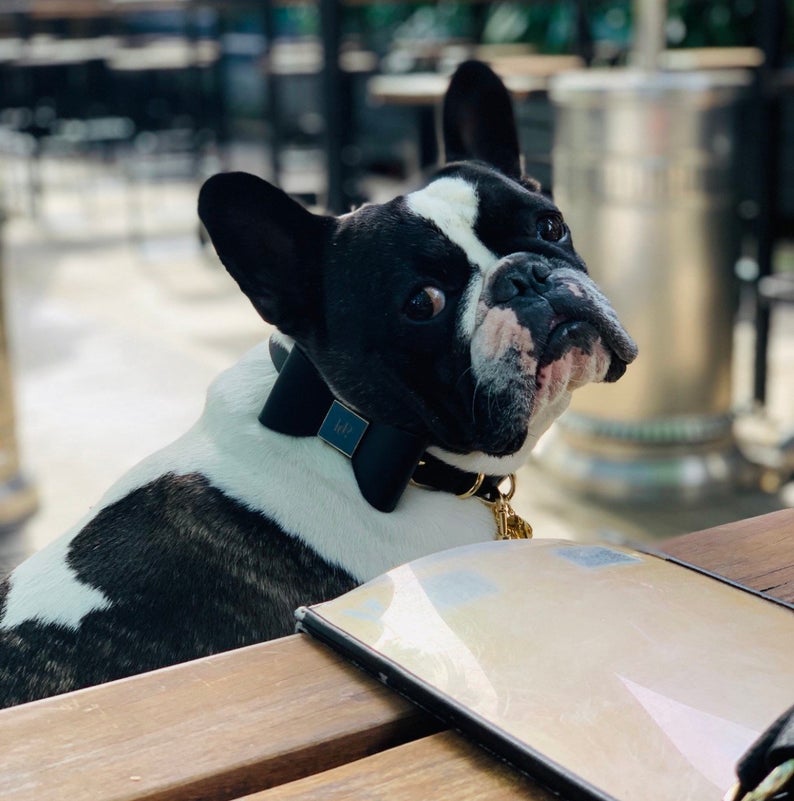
548,27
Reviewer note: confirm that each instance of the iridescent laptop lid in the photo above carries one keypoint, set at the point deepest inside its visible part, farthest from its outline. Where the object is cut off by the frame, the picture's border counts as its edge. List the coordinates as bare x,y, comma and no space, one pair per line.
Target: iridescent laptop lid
603,672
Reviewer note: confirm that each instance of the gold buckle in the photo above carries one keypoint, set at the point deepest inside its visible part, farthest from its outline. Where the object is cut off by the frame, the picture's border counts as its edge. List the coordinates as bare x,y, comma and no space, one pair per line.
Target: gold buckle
509,525
474,487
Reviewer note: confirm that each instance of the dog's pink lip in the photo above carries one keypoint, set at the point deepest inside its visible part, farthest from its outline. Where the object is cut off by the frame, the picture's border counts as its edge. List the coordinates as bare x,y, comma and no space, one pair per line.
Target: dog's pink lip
556,320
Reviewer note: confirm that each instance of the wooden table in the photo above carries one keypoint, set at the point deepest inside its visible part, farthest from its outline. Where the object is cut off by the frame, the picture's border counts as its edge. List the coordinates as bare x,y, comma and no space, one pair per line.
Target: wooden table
290,720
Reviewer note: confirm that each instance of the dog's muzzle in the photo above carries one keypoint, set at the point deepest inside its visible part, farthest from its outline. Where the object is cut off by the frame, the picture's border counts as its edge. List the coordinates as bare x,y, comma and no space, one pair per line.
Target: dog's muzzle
561,307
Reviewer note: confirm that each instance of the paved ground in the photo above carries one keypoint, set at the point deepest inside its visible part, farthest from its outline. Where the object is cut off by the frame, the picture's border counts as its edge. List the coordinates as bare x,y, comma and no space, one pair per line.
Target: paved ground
118,320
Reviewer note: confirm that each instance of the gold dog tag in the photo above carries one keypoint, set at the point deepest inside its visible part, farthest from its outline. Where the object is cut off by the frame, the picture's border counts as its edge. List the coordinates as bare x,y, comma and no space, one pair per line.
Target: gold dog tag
509,526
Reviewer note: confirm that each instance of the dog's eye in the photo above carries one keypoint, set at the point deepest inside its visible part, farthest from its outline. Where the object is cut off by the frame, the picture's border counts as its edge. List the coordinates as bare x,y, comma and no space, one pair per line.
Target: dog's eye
551,227
425,304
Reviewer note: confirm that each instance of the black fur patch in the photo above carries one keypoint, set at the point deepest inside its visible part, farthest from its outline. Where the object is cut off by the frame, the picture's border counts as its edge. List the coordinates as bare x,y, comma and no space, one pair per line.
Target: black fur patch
189,572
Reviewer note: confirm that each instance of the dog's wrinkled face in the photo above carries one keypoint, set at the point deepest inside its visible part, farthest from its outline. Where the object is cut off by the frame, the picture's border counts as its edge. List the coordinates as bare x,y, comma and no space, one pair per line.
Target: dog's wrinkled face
460,311
463,310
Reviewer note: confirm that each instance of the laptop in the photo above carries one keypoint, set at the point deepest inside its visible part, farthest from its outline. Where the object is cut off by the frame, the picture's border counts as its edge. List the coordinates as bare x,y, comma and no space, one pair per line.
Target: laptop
604,673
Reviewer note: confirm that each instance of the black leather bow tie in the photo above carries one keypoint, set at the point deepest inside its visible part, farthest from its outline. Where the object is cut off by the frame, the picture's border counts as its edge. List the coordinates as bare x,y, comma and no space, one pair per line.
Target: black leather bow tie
384,458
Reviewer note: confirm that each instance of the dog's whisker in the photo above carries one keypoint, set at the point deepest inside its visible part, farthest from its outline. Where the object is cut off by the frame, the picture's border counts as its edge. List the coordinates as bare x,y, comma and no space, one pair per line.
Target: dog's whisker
463,375
474,401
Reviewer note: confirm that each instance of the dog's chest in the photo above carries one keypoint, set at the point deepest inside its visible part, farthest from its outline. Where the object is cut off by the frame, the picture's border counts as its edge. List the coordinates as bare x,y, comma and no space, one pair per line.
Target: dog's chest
308,488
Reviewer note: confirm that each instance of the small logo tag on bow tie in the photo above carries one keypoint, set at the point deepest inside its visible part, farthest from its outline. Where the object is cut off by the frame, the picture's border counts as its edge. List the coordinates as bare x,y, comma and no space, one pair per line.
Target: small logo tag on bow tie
342,429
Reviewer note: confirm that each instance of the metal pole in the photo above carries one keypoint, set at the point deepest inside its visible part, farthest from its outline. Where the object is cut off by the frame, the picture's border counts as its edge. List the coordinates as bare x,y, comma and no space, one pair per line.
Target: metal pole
771,26
268,13
650,17
330,21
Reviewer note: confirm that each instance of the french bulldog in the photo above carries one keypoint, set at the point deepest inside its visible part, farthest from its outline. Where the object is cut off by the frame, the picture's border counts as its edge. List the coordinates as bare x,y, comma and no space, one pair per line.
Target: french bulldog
423,346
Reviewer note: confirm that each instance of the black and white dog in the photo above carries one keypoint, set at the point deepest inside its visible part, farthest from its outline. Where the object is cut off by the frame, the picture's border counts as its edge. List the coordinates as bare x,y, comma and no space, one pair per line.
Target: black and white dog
433,337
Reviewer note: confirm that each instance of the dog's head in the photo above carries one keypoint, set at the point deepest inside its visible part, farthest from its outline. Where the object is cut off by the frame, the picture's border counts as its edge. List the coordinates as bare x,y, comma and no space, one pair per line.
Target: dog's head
460,312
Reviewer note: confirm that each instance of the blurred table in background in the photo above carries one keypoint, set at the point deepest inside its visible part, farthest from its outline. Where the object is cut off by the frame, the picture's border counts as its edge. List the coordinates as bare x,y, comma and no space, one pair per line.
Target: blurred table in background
523,75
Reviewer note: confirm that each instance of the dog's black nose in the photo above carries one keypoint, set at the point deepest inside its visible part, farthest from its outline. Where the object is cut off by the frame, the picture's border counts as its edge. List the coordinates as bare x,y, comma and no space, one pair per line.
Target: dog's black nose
541,271
519,280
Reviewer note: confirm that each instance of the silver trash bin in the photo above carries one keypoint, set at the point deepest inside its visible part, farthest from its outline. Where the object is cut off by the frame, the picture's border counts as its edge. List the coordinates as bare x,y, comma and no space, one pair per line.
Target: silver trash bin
644,173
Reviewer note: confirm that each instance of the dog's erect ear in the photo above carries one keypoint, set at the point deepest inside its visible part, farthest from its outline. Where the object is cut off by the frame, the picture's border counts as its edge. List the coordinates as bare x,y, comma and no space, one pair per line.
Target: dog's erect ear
478,120
270,244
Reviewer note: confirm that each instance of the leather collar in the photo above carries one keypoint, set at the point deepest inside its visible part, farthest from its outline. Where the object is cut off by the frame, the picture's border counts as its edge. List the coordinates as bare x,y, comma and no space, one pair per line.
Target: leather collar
385,459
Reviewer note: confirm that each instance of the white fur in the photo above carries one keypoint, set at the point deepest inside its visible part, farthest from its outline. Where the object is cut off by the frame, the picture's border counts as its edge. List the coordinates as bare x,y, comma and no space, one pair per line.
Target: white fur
45,588
469,302
302,483
452,205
